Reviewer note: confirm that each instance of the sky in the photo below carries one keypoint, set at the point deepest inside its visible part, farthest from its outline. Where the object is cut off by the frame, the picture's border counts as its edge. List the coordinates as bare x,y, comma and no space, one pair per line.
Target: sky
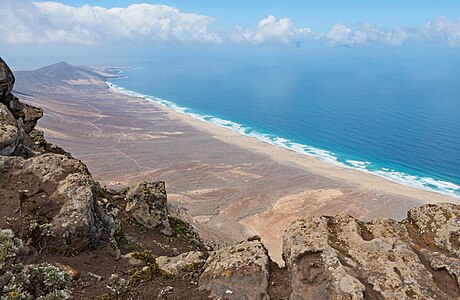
94,25
318,14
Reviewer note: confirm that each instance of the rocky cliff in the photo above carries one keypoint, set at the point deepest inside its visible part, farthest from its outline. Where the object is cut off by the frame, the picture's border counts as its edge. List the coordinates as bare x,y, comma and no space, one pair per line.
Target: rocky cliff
64,236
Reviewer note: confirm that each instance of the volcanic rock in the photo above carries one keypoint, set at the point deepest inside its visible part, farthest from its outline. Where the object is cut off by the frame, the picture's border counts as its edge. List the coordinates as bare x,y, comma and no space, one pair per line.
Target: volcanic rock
147,203
237,272
343,258
186,262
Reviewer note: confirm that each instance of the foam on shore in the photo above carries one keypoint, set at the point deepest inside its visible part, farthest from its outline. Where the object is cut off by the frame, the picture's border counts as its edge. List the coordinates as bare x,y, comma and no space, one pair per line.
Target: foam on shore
411,180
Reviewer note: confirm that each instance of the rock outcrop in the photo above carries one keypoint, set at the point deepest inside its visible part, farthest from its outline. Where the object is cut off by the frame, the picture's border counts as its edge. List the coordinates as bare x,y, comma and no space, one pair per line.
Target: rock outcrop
343,258
237,272
183,263
16,118
50,200
11,136
42,187
146,201
6,80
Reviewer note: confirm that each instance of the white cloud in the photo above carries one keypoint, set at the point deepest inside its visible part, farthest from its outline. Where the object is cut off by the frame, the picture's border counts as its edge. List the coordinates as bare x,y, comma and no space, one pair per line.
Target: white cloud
26,22
442,31
53,22
272,31
342,35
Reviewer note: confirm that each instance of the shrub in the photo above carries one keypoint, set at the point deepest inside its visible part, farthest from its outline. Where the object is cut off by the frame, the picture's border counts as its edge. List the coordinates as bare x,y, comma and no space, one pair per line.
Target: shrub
118,285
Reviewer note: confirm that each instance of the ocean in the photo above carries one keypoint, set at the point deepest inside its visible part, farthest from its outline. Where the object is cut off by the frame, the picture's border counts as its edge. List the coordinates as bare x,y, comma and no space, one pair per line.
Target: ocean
391,113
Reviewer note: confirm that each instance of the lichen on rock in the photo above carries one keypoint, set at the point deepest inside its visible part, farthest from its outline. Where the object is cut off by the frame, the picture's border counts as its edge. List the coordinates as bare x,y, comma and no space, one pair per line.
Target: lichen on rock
343,258
147,203
237,272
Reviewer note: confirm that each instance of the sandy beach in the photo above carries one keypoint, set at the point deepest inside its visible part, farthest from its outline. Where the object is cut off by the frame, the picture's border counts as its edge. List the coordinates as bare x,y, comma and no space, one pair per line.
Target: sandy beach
233,186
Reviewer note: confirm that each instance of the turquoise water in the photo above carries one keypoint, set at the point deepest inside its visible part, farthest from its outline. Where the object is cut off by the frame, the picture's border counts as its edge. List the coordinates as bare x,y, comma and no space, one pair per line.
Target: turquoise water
396,116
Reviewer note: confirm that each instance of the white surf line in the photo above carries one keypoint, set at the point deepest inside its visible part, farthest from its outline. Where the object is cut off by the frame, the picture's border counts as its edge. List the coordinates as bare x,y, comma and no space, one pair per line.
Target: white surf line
323,155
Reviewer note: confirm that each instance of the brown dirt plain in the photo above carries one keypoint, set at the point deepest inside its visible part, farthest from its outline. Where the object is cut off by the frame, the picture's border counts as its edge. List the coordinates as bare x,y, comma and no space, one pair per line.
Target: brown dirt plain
232,186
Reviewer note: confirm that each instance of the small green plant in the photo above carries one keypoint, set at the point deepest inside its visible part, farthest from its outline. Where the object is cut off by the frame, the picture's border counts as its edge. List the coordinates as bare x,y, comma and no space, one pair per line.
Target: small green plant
9,246
145,256
44,230
49,281
149,271
117,285
121,242
57,295
42,281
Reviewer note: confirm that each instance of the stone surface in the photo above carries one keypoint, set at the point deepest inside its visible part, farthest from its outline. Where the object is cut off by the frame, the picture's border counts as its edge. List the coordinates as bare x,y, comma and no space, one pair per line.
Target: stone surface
147,203
342,258
10,132
237,272
29,114
6,80
183,263
436,229
58,190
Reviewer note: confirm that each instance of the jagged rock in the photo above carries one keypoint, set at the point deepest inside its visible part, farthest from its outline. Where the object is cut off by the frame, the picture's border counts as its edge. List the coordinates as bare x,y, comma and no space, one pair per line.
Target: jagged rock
16,118
186,262
10,133
28,113
31,115
237,272
58,190
147,203
6,80
41,145
436,230
342,258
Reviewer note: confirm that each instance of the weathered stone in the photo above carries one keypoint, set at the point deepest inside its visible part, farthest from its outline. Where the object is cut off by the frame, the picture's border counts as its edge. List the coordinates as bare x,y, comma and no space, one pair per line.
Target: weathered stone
31,115
237,272
438,226
183,263
314,267
10,133
147,203
436,232
132,260
6,80
60,191
342,258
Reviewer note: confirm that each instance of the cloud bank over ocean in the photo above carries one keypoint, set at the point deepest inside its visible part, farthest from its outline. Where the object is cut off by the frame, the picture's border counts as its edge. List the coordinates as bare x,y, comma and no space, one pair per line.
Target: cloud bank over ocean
27,22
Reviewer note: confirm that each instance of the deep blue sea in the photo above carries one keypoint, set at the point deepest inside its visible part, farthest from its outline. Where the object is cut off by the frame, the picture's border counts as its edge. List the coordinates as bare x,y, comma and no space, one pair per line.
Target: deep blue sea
393,113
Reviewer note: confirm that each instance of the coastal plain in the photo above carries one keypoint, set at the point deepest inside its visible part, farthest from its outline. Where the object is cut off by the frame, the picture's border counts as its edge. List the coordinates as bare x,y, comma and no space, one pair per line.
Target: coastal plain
232,186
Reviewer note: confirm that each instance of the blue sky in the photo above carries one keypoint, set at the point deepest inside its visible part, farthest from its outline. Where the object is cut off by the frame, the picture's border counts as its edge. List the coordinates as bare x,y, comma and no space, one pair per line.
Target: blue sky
320,15
85,27
259,22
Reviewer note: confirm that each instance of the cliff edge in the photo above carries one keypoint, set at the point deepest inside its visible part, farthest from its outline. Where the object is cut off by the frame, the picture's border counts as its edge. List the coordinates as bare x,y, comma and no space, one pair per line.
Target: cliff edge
63,236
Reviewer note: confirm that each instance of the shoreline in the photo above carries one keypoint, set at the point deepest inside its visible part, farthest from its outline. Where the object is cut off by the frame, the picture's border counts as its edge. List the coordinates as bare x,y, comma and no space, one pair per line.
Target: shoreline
198,121
232,186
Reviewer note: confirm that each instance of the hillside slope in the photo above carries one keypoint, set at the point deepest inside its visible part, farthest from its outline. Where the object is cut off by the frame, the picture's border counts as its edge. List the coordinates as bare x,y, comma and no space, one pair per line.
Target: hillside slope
64,236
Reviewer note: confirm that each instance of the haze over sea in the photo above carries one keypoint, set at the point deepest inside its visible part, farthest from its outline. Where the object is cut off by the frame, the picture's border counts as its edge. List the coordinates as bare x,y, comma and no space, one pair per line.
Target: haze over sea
394,113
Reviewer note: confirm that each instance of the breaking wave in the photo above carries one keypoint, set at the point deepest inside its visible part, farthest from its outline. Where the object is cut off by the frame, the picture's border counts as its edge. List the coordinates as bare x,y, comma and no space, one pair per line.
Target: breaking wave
411,180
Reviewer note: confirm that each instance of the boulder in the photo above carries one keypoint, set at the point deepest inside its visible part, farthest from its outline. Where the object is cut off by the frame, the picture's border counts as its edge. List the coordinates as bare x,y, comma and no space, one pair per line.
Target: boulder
11,135
343,258
435,230
147,203
183,263
57,190
237,272
6,80
28,113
